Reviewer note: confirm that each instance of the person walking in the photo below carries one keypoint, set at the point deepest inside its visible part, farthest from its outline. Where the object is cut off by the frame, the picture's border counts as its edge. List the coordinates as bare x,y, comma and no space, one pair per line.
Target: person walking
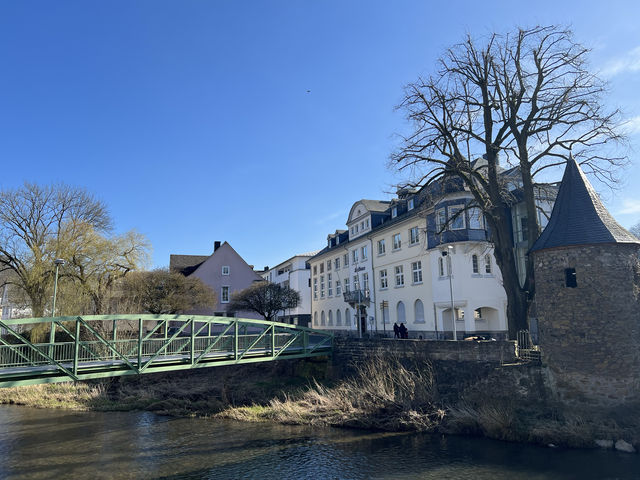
404,333
396,330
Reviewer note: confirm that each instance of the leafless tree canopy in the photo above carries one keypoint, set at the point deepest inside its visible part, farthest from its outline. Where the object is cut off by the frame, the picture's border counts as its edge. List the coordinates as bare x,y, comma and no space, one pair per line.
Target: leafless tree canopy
32,219
524,99
265,298
161,292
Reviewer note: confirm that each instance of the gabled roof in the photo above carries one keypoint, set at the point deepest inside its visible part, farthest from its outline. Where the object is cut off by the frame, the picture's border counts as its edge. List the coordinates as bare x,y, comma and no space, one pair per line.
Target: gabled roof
186,264
579,217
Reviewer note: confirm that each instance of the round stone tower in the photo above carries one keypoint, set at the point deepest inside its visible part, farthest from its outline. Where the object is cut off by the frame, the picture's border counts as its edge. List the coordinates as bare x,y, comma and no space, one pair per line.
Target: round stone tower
587,275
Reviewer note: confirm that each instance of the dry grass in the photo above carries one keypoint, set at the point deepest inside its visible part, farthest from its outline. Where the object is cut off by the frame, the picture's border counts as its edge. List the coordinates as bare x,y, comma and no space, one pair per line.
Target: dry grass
384,394
69,395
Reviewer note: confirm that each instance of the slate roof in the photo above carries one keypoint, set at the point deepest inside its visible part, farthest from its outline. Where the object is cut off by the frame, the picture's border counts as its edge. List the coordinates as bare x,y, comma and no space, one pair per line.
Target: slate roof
186,264
579,217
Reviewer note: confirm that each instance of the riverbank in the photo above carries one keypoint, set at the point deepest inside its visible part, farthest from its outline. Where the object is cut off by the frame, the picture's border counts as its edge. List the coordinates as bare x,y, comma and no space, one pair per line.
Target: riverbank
389,394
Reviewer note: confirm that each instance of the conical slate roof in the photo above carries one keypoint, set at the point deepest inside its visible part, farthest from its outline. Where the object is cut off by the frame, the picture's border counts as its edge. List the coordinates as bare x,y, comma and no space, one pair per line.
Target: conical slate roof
579,217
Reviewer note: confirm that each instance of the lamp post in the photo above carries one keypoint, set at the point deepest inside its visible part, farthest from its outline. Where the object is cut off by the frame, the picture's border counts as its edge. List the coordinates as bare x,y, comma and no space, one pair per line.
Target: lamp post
450,267
52,332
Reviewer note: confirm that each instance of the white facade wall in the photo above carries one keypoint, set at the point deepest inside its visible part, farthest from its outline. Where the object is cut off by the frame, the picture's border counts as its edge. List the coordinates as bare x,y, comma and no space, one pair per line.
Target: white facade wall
403,292
471,291
293,273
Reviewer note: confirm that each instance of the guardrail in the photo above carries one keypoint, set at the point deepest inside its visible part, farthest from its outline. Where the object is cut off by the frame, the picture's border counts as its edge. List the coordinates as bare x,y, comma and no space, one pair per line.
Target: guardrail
98,346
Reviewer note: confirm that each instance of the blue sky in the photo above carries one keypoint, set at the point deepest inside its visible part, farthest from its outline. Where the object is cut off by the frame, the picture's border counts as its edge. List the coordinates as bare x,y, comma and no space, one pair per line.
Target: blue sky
258,123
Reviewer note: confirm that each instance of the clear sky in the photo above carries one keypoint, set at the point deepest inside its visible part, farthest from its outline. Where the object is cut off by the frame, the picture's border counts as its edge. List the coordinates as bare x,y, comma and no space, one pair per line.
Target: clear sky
255,122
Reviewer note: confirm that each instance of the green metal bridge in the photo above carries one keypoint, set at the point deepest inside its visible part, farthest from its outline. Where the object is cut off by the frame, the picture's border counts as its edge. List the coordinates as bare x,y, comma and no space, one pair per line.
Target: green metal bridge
97,346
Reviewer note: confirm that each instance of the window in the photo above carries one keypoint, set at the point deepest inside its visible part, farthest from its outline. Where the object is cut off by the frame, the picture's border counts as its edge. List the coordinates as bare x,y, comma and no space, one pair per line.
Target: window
456,217
441,220
315,269
321,286
383,279
524,229
365,281
330,284
322,319
224,295
381,247
474,263
356,282
441,266
345,257
354,255
414,236
337,263
397,242
346,285
394,212
347,317
410,204
338,317
330,317
416,269
570,279
399,276
487,263
400,312
315,318
328,265
477,314
322,267
338,288
315,288
356,228
366,223
225,270
418,308
362,225
475,219
365,254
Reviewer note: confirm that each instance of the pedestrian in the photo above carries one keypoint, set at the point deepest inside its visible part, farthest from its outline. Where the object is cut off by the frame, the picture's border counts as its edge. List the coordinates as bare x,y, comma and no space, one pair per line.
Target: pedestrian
396,330
404,333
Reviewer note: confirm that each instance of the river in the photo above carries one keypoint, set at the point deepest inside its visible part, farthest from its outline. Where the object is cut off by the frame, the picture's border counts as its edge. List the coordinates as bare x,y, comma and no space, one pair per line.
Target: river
55,444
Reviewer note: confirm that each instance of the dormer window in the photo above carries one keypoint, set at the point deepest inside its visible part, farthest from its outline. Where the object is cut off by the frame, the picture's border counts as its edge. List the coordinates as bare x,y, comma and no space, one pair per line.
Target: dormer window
394,212
410,204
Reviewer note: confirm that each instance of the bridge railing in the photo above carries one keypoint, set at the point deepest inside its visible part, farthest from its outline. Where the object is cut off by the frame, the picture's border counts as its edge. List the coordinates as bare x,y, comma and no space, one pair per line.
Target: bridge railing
102,345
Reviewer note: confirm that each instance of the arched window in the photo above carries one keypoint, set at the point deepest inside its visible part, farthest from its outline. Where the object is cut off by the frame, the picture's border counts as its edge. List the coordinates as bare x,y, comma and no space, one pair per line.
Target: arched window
315,318
474,263
330,317
419,311
347,317
338,317
400,312
322,319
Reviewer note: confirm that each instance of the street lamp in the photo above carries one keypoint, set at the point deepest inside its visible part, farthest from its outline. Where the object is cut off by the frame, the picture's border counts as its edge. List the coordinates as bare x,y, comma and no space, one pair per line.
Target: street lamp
52,333
448,254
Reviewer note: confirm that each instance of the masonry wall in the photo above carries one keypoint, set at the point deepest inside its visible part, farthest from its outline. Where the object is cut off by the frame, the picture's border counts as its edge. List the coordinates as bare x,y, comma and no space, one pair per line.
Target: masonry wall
590,334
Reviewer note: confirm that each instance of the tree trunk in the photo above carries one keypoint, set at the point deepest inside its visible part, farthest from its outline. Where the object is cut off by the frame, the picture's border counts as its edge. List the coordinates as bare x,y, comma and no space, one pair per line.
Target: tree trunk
502,238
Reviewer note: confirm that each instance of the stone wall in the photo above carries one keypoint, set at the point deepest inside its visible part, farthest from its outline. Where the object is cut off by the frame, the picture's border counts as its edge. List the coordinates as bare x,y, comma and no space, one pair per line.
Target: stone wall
590,334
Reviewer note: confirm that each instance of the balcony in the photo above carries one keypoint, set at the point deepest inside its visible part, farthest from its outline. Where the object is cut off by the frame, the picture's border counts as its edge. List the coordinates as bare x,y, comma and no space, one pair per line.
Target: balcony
356,297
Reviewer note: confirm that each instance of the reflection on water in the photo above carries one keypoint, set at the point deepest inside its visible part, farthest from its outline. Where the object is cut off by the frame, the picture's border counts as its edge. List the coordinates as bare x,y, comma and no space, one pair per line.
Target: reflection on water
42,444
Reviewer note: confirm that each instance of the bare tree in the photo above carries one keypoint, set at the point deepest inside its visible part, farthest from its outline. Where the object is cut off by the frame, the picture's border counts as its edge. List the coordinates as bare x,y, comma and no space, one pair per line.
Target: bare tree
526,99
635,229
160,292
31,221
265,298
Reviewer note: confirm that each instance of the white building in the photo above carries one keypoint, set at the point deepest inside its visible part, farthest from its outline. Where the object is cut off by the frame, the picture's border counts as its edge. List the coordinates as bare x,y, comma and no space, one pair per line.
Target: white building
296,274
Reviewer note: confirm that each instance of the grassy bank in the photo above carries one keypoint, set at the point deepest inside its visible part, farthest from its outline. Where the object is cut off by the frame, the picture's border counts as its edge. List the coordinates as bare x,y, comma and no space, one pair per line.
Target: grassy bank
384,394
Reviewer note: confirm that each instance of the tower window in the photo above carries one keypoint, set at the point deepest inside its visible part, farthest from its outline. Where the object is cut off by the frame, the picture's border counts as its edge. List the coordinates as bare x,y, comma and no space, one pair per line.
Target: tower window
570,279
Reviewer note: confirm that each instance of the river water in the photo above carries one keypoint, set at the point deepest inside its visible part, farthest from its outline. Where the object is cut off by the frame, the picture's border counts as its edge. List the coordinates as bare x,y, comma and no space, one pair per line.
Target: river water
54,444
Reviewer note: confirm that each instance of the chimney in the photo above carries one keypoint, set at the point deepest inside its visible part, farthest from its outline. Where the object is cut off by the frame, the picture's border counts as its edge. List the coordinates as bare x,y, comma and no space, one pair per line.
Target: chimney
266,267
216,245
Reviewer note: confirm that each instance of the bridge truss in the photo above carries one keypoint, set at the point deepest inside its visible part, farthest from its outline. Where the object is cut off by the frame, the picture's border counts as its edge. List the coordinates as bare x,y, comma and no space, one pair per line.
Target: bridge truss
98,346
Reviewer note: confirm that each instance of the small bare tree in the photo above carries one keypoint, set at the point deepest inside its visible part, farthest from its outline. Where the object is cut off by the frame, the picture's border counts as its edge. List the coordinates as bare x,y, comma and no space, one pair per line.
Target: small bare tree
526,99
160,292
265,298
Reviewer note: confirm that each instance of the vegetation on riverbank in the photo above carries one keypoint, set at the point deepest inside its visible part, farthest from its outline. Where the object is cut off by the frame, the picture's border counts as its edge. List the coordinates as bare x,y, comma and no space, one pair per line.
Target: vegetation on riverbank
388,393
